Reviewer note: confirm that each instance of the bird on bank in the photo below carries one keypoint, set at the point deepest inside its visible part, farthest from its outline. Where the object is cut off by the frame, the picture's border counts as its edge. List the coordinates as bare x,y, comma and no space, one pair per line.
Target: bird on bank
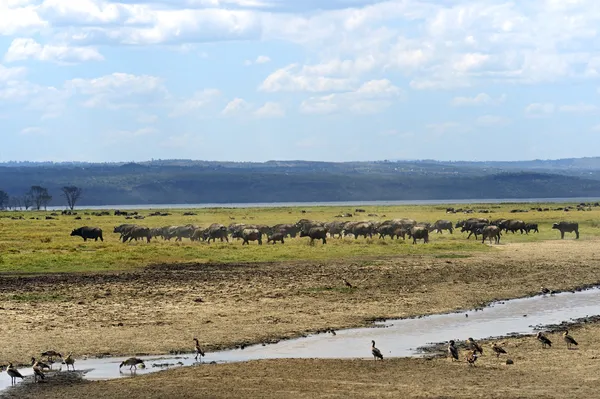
13,373
199,350
376,352
497,349
474,345
50,355
543,339
569,340
471,358
132,362
347,283
452,351
38,369
69,361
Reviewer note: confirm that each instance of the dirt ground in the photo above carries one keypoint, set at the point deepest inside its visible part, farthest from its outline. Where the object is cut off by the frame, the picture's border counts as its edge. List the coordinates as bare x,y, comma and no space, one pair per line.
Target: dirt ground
161,308
536,373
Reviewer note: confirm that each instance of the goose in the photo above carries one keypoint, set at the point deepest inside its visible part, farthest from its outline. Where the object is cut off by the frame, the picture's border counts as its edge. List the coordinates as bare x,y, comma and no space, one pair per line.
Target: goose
132,362
13,373
471,358
543,339
69,361
199,350
474,345
376,352
569,340
452,351
497,349
50,355
37,369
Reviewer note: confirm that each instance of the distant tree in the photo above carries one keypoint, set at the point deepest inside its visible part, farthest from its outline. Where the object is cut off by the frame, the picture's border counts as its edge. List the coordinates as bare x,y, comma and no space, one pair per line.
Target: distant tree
3,199
40,196
26,200
72,194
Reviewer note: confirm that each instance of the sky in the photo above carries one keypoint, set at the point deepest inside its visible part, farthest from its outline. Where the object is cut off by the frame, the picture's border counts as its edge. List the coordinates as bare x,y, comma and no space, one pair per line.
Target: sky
328,80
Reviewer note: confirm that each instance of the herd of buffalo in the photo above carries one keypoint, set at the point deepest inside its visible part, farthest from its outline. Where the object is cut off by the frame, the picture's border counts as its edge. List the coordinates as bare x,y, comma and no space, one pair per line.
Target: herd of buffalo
315,230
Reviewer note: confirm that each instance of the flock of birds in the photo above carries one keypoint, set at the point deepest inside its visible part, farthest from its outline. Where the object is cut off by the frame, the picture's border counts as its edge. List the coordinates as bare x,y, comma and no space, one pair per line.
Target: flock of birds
475,350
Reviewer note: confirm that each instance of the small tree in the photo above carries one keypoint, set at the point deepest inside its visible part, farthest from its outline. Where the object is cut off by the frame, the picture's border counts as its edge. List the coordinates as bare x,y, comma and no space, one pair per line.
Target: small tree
40,196
3,199
72,194
27,201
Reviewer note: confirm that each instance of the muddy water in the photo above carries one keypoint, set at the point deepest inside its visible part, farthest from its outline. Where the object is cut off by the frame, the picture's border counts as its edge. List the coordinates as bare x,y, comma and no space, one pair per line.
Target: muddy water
395,338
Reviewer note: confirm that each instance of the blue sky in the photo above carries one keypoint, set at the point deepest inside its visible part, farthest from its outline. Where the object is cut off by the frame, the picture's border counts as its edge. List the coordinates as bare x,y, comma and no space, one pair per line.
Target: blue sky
335,80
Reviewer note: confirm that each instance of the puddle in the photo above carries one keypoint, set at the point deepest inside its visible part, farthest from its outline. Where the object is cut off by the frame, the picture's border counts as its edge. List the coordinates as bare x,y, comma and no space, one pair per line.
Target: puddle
395,338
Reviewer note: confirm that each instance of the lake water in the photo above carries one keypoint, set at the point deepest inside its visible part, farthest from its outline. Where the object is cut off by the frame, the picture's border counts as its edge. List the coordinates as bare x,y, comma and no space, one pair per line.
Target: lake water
335,203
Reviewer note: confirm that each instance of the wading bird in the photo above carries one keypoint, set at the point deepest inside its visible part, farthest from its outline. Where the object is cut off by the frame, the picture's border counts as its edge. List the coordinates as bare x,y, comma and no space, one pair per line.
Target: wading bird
471,358
569,340
69,361
132,362
543,339
499,350
13,373
452,351
199,350
50,355
474,345
37,369
376,352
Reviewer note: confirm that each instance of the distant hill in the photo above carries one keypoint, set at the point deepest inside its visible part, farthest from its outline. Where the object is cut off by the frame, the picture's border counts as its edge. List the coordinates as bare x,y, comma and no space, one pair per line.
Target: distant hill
188,181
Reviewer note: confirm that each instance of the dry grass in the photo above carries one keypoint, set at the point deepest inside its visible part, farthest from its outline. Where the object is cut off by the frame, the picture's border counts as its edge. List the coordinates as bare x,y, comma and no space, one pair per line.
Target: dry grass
536,373
158,309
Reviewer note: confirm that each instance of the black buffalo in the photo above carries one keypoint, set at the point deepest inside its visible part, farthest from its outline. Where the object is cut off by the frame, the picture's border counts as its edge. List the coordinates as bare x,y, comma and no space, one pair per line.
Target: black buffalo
567,227
86,232
315,233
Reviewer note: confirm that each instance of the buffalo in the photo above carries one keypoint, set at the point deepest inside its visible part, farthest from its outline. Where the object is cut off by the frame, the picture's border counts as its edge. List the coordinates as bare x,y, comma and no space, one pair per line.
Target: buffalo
137,232
418,233
442,225
531,227
315,233
251,235
567,227
276,237
86,232
491,232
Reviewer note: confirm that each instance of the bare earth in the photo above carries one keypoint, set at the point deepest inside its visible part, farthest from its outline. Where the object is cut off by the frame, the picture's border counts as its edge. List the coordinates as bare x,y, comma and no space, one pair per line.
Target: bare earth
161,308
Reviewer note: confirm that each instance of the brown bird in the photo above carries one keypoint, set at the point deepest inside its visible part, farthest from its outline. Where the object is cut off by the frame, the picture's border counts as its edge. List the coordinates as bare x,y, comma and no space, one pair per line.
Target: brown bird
69,361
199,350
347,283
452,351
37,369
50,355
471,358
569,340
132,362
13,373
543,339
497,349
474,345
376,352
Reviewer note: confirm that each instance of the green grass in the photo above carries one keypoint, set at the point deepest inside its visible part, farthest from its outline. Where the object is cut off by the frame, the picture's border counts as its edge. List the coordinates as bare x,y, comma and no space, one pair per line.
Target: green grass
44,246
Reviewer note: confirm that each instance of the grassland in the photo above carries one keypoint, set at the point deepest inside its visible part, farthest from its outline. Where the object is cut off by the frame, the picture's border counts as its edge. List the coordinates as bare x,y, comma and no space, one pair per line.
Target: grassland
100,298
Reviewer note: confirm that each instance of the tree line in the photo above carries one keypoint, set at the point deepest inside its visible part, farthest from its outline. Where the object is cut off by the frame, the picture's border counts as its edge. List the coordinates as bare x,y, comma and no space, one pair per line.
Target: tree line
38,197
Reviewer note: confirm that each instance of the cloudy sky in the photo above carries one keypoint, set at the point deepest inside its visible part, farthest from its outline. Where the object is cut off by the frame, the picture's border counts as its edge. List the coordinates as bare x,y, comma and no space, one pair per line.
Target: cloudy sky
337,80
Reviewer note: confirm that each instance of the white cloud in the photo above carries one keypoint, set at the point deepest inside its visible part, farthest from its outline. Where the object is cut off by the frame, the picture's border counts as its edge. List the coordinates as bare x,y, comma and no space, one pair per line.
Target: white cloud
32,130
26,48
261,59
50,101
492,120
443,127
479,99
371,97
270,110
147,118
292,78
198,100
538,110
7,74
235,107
579,108
19,16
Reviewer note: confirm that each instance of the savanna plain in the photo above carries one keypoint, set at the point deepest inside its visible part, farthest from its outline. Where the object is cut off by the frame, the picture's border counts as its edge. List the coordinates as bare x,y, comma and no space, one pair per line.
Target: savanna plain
101,298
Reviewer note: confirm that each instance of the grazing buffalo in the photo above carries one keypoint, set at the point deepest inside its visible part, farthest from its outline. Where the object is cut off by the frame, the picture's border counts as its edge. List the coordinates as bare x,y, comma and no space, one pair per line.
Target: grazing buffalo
276,237
514,225
491,232
336,227
251,235
215,231
419,233
567,227
531,227
137,232
86,232
315,233
442,225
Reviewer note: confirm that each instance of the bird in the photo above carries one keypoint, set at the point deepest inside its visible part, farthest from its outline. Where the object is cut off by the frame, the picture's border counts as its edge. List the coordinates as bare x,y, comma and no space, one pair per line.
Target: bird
13,373
332,331
569,340
50,355
452,351
69,361
132,362
543,339
497,349
545,291
376,352
471,358
199,350
474,345
37,369
347,283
